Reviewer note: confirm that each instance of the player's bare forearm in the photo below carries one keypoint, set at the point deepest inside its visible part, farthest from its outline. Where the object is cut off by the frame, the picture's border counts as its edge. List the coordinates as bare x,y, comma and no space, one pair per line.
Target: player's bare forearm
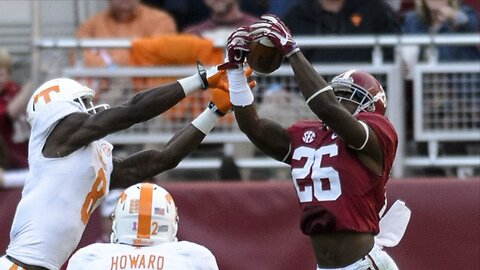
323,104
141,107
182,144
152,102
308,80
149,163
268,136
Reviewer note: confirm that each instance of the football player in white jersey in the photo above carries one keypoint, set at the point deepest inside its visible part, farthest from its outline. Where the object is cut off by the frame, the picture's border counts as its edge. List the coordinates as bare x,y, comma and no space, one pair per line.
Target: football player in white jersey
145,223
71,165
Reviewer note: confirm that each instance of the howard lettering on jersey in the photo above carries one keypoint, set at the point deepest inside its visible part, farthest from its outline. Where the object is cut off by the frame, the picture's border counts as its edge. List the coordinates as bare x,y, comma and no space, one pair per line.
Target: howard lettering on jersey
139,261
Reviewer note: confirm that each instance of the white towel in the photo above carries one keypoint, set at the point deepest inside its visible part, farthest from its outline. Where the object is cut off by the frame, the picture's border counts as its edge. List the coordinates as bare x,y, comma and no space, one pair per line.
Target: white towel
393,225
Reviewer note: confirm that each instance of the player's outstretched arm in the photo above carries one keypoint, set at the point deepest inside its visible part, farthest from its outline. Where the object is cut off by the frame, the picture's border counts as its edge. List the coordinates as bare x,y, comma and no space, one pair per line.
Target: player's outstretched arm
323,102
84,128
148,163
270,137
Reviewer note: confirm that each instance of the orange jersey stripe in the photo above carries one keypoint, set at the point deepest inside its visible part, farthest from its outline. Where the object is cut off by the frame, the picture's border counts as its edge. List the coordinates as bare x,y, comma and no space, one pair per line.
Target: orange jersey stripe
145,211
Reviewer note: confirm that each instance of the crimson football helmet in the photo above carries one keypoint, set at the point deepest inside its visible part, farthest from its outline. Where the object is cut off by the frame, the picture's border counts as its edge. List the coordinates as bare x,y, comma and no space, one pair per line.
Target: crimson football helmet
61,89
362,89
145,215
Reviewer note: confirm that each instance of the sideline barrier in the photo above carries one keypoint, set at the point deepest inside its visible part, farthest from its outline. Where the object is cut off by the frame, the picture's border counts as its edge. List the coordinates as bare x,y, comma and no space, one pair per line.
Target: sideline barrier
254,225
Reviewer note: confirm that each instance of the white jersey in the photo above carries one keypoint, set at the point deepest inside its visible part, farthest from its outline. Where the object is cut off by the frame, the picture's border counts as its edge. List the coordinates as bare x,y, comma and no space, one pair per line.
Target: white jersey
166,256
59,194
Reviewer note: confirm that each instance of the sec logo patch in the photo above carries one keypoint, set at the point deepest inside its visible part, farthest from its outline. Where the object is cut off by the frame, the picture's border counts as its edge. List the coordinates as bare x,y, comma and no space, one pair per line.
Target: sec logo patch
308,136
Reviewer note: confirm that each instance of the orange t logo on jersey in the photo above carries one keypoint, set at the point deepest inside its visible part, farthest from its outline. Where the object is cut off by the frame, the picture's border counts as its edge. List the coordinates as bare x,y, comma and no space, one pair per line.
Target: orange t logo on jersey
46,94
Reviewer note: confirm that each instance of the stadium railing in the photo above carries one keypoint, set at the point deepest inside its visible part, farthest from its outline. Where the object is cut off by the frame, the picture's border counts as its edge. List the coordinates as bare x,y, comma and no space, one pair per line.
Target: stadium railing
457,84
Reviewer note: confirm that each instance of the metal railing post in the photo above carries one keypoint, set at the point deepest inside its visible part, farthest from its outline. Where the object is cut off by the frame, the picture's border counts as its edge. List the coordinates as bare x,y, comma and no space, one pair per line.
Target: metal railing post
36,50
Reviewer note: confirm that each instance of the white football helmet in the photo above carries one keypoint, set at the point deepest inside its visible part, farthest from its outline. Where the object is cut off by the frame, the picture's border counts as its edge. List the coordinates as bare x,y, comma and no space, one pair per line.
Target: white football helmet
61,89
145,215
362,89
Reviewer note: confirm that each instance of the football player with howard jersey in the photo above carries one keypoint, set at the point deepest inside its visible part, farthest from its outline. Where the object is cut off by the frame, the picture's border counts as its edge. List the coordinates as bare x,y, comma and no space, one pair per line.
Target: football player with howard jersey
71,165
340,164
144,229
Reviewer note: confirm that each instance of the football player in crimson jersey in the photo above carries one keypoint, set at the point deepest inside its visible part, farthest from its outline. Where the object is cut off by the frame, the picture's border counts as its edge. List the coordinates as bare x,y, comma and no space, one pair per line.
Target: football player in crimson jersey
71,165
151,244
340,163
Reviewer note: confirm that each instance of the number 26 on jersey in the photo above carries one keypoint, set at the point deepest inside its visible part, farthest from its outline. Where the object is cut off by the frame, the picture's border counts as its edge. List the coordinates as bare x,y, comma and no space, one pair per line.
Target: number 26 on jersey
324,182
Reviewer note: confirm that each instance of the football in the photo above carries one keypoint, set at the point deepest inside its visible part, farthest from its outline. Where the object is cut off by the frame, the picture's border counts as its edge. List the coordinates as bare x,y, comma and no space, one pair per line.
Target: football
263,57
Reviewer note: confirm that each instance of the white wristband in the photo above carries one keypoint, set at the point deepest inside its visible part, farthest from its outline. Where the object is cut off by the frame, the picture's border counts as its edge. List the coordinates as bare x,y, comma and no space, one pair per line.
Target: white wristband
326,88
367,135
240,93
206,121
191,84
292,52
14,178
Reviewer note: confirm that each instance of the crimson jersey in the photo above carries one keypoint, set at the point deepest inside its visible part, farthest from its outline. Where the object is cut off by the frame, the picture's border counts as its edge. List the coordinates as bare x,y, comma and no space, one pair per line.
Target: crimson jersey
335,190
